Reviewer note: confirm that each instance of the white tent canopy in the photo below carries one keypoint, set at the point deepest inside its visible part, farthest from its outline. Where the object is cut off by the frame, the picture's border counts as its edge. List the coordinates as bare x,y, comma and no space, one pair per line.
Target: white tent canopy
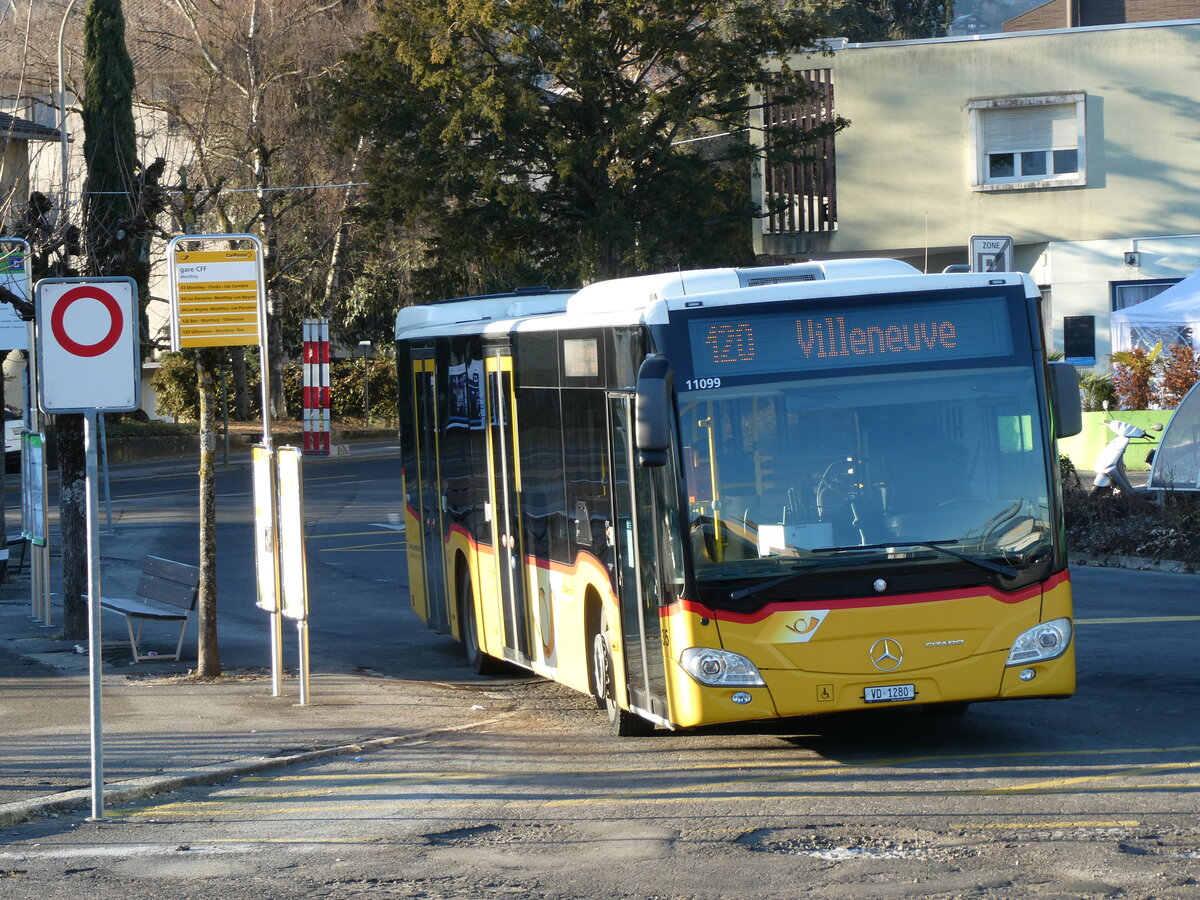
1178,305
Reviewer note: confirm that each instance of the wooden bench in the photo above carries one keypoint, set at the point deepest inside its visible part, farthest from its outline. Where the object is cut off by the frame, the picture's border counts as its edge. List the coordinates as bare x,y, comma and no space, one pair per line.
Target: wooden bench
167,592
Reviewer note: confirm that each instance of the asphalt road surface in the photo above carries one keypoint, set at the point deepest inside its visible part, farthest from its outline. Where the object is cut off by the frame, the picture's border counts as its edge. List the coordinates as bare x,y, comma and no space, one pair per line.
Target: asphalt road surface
1095,796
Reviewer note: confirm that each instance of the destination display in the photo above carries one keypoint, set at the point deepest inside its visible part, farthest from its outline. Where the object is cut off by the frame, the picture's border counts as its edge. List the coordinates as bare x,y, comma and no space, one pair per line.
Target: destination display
215,300
893,334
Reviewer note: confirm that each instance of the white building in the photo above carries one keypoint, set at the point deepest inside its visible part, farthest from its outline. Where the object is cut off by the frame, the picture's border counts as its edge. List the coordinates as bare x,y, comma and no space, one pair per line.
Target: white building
1081,144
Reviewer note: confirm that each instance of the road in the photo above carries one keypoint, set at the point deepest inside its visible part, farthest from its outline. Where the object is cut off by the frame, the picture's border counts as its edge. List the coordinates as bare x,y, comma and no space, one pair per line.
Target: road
353,505
1095,796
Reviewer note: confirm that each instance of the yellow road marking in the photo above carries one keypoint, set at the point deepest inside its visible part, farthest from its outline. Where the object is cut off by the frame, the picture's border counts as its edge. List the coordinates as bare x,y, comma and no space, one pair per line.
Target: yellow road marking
1137,620
505,773
1119,823
704,790
441,802
1067,782
822,764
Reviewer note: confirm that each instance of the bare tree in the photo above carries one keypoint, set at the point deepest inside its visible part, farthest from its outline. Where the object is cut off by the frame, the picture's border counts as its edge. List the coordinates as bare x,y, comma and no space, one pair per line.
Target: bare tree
248,93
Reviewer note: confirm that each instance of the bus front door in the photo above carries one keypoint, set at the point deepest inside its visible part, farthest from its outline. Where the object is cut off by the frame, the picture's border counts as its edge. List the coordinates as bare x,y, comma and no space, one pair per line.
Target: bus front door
427,499
504,477
636,564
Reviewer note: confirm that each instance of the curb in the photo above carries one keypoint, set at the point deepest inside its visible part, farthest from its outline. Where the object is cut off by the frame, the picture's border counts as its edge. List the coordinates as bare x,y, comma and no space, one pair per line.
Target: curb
140,788
1139,563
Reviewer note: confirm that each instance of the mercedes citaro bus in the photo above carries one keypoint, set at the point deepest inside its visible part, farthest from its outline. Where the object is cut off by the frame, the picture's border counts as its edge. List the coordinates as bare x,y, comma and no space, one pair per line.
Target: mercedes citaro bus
737,494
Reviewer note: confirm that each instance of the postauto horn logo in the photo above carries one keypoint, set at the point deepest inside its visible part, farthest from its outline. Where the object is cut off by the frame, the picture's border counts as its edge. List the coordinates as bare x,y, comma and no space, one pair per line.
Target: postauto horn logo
799,629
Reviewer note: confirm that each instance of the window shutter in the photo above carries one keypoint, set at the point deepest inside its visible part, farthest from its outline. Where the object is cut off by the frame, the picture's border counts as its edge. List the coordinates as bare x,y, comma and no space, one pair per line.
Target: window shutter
1030,128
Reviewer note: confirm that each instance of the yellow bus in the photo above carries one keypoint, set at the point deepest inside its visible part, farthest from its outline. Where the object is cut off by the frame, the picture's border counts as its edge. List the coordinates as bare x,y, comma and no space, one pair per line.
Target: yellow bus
738,494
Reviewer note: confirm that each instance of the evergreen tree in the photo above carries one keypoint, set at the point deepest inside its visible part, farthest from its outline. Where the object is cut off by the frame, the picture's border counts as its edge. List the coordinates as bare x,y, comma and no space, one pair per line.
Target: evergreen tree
109,142
884,20
109,149
556,140
119,205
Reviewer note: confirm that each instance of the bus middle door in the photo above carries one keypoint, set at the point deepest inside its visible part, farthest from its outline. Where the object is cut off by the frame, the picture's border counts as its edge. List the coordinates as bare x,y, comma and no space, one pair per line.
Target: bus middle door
427,499
504,478
637,567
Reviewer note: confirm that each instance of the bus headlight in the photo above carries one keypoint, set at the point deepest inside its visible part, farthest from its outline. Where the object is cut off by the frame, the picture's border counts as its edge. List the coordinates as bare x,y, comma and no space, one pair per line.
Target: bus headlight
1048,640
720,667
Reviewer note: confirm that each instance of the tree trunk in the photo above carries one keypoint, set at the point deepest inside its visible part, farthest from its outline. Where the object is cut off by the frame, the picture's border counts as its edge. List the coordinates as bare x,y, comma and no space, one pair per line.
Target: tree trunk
72,514
207,654
337,257
279,409
241,386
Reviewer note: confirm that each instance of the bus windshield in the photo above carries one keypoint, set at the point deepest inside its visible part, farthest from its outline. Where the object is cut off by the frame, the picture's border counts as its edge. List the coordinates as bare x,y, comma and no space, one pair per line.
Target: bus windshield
866,468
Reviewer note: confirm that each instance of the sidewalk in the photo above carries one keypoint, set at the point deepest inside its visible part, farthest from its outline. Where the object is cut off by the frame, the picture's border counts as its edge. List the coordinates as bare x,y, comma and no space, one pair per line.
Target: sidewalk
163,729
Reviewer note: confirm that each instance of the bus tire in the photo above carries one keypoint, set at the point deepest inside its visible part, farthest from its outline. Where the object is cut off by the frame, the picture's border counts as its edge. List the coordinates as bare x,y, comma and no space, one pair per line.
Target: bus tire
621,722
480,662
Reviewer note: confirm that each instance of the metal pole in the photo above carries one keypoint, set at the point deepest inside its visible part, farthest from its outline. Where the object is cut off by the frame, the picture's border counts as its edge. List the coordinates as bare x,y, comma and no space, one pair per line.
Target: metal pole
366,349
225,416
302,639
277,615
95,663
47,604
104,475
64,192
39,565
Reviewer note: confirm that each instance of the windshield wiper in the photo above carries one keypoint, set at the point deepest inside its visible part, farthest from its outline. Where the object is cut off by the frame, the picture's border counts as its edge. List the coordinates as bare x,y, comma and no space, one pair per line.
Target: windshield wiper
940,546
796,572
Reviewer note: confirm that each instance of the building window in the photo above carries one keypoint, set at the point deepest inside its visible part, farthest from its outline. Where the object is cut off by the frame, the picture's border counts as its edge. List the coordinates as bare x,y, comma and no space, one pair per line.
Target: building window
1028,142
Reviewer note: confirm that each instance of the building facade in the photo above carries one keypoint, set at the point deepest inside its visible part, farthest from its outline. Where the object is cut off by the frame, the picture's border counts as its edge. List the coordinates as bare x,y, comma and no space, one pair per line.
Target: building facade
1081,144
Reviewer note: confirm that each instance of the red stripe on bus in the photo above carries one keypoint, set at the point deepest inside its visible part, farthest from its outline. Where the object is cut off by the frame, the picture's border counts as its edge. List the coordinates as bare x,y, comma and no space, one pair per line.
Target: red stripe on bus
865,602
547,564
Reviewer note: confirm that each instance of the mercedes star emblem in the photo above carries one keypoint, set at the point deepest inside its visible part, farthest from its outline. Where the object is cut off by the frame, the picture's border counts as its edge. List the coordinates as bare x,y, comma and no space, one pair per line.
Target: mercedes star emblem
886,655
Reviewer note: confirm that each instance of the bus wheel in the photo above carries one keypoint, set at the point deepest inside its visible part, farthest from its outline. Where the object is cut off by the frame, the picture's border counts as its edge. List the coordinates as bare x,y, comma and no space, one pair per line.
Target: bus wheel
621,722
479,661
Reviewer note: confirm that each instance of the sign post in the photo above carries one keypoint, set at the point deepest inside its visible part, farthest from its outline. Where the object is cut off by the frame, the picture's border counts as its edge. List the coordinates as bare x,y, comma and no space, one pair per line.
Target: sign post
293,567
86,337
219,299
991,253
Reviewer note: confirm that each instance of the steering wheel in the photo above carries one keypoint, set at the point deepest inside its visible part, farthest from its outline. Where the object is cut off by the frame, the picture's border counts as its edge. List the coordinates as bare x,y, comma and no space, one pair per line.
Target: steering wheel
836,484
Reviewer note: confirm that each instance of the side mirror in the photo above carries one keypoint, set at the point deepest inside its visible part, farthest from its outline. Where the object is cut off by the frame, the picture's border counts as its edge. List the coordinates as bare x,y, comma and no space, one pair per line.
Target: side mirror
653,411
1066,406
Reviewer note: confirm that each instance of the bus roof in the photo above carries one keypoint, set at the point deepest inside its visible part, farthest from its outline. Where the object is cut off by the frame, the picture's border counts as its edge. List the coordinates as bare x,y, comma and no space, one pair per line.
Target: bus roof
628,300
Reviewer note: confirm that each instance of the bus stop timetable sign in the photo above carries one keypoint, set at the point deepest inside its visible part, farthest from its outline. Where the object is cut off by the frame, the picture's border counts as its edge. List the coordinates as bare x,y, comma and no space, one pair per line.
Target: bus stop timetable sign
215,298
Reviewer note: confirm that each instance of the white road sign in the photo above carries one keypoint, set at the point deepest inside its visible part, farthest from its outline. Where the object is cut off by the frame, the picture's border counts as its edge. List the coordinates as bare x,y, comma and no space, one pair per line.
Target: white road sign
87,345
991,253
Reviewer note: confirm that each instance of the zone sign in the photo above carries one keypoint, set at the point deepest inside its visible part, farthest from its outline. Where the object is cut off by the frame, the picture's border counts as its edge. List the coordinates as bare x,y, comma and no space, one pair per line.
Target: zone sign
87,345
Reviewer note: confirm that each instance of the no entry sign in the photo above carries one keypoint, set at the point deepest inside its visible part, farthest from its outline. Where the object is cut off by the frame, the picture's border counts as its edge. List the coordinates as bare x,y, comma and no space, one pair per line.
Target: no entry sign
87,345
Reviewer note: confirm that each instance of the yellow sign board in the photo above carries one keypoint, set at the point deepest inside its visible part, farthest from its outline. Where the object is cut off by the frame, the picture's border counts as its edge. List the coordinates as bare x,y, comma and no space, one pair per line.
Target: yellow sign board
216,300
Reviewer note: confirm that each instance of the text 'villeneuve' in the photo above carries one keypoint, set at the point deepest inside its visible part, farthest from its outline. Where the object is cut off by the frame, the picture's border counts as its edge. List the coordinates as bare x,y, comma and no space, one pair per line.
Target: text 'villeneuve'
820,338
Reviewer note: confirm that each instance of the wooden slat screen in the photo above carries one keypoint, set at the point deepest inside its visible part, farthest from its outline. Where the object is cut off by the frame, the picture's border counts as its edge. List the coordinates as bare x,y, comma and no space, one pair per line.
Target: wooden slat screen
808,191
